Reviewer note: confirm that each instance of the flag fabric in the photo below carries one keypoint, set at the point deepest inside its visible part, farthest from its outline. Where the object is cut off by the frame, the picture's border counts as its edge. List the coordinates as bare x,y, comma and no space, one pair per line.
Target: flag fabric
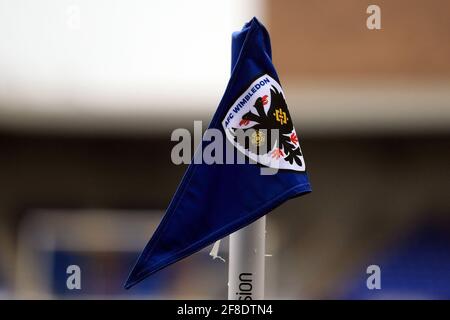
215,200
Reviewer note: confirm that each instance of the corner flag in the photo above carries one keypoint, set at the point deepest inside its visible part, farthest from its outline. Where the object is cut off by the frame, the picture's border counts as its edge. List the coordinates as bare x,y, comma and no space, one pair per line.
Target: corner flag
214,200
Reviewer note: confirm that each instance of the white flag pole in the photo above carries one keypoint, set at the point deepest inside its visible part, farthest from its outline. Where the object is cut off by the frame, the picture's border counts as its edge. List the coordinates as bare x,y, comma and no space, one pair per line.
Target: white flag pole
246,263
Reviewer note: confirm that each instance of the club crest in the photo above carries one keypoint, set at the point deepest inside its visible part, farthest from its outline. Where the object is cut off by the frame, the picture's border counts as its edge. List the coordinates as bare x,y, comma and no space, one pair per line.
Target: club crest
259,125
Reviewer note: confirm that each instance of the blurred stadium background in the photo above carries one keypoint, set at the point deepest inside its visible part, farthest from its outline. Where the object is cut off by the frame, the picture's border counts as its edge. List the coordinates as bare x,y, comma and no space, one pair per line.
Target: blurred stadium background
91,90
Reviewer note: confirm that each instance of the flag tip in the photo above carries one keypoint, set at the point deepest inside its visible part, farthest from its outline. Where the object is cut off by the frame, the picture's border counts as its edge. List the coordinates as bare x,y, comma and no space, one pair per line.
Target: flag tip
128,284
131,282
132,279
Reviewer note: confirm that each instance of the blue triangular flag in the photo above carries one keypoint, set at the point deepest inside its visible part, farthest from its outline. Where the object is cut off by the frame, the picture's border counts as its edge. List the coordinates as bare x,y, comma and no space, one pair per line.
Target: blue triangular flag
214,200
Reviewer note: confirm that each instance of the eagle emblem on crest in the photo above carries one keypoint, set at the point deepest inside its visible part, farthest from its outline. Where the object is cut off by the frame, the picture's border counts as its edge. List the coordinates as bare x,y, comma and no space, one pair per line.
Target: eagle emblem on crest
261,111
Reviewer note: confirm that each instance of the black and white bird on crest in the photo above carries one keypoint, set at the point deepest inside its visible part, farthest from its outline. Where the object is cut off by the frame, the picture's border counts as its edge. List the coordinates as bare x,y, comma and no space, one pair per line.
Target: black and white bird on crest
276,117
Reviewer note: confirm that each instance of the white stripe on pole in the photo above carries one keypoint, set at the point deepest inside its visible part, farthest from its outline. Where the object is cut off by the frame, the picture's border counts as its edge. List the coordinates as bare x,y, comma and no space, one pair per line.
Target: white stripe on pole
246,262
